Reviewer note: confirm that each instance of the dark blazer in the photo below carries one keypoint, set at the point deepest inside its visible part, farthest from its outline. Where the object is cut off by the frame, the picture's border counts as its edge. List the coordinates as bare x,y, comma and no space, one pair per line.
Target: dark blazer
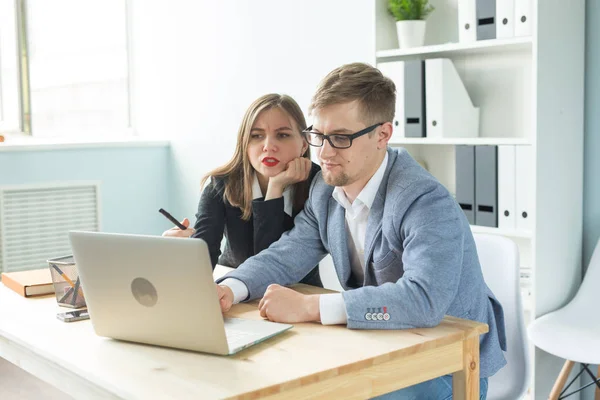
268,222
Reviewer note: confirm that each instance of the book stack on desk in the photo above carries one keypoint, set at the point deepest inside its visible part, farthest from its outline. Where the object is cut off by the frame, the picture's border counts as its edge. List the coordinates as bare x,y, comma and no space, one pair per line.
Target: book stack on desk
37,282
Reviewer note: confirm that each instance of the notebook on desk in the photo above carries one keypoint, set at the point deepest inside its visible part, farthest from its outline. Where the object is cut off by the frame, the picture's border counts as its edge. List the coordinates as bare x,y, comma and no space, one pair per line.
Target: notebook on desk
36,282
159,290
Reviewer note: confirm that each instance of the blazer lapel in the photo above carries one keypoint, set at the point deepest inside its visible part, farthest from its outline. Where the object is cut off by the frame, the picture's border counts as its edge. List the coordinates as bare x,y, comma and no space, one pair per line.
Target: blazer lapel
374,222
338,242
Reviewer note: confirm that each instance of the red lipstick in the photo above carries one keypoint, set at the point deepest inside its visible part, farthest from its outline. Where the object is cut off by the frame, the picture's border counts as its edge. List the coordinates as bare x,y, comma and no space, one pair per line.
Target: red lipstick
270,161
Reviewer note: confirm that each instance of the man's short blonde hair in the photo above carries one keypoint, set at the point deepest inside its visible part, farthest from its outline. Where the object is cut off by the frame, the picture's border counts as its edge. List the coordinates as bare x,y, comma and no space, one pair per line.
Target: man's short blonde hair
376,94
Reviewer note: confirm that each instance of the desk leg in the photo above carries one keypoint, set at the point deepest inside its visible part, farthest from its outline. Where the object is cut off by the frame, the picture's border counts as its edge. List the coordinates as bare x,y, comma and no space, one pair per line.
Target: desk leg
465,383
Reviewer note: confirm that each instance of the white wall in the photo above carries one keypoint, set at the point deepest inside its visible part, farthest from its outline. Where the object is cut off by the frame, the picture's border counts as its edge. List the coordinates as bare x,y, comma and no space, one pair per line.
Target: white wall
197,65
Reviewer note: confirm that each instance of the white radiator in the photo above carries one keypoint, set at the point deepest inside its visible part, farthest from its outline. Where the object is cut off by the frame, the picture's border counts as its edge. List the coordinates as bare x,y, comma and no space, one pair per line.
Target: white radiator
35,221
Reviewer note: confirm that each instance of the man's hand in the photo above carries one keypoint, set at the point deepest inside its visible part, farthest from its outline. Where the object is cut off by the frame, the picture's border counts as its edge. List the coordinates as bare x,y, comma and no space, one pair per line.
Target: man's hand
225,297
296,171
176,232
281,304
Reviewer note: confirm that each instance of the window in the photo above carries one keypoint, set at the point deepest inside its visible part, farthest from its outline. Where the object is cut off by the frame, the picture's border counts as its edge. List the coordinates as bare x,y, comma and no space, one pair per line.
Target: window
9,69
73,64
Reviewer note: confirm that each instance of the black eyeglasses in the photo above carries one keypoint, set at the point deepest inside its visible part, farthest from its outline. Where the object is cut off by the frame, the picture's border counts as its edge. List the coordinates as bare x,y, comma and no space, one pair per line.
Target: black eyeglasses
337,141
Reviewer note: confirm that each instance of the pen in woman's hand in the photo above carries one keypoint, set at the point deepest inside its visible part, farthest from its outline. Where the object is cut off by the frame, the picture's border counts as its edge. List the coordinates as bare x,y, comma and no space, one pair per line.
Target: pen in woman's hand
172,219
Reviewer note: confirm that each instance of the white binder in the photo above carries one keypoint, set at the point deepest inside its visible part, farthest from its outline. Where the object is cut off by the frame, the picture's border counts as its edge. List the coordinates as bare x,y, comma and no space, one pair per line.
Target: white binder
467,20
449,110
524,187
395,71
506,187
505,18
523,17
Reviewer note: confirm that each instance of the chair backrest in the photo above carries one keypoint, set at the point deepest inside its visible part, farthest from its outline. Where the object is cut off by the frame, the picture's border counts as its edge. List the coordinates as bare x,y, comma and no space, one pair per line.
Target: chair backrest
587,294
499,259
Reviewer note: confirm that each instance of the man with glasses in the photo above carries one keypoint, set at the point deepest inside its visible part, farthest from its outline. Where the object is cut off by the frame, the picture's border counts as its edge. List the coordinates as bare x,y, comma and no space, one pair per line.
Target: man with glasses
401,245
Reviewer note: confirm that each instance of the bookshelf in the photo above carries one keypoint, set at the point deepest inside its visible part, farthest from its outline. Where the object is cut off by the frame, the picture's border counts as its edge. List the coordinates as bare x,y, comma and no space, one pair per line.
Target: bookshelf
530,93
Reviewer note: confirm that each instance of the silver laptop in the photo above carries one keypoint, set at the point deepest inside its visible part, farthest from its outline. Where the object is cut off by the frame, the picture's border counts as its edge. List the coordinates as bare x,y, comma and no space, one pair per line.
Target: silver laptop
160,291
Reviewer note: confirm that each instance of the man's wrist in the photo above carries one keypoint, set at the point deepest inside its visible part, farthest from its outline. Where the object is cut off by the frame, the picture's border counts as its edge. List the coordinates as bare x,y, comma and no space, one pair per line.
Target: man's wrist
313,307
238,289
229,293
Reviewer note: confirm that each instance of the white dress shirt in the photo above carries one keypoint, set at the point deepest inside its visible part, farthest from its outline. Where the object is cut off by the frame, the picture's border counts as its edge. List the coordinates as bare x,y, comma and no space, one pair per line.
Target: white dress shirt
332,306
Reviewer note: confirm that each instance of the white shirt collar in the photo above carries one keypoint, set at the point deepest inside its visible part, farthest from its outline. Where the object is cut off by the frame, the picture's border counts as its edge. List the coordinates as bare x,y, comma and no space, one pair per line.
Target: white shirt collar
366,197
287,195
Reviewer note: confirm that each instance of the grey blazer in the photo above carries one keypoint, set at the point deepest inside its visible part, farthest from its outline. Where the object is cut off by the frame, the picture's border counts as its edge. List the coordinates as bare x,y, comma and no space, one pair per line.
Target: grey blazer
421,257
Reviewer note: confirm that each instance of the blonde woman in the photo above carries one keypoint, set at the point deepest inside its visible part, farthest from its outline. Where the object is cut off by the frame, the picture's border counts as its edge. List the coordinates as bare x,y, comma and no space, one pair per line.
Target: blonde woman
253,199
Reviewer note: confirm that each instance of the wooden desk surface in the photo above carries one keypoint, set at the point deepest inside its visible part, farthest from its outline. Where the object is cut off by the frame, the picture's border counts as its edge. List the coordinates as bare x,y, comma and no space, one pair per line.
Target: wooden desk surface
310,359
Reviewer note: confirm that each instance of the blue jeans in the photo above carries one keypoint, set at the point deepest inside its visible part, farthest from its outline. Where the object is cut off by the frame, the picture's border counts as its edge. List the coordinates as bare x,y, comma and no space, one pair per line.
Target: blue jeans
435,389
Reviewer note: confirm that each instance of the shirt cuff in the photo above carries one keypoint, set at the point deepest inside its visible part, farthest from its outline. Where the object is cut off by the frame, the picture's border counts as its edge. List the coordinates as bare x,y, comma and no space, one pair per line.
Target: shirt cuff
239,289
333,309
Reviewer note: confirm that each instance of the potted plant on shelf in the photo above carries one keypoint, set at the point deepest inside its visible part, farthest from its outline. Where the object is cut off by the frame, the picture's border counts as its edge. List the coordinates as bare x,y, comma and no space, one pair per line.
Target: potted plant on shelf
410,20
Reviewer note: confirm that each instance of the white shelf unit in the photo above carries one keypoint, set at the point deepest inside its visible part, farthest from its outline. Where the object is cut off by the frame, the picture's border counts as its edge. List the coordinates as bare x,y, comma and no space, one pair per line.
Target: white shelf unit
512,233
530,93
449,50
462,141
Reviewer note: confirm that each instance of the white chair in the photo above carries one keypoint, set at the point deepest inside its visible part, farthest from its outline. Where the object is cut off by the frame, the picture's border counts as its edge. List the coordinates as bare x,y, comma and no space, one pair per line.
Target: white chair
573,332
499,259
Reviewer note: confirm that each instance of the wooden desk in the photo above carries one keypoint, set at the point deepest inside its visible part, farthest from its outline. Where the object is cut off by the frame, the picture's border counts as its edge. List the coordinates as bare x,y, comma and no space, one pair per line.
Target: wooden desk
308,361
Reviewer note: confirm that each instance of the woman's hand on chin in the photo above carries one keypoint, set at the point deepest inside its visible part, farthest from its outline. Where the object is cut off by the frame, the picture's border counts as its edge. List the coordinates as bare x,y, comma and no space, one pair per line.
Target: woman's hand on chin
297,170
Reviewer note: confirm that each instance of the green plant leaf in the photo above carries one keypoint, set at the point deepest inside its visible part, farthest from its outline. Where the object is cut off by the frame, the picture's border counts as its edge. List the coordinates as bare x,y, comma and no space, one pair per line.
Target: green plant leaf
406,10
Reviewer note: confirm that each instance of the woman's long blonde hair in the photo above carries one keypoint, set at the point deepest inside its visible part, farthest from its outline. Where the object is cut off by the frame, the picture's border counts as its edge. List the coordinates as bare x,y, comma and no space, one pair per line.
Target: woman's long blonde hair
239,173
